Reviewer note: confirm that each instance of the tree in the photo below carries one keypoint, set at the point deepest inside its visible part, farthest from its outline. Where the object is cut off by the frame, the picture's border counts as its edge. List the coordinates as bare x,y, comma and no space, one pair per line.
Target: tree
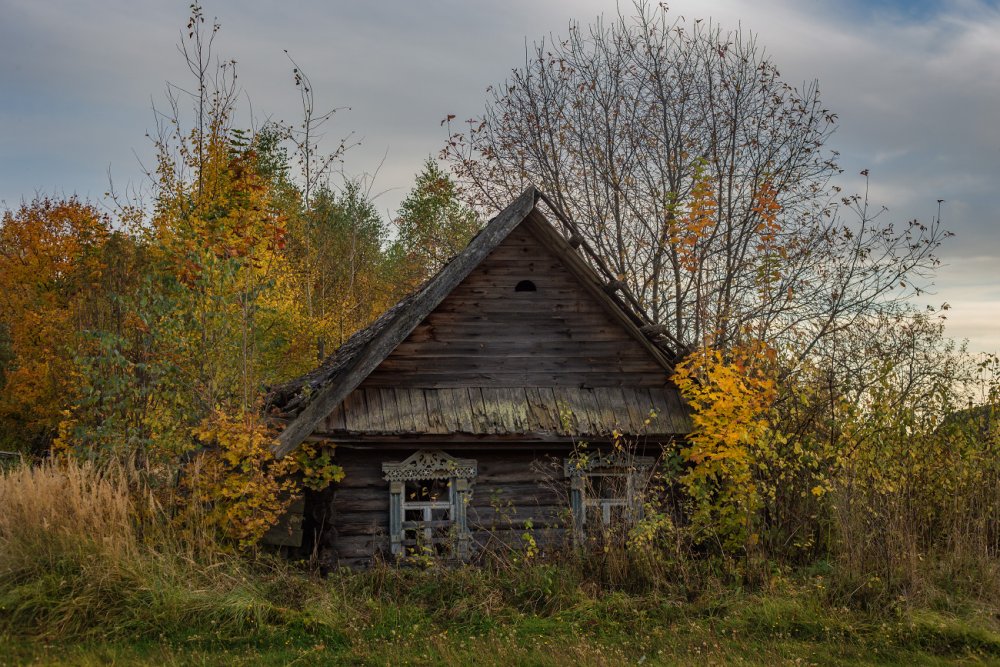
433,225
697,174
51,272
336,252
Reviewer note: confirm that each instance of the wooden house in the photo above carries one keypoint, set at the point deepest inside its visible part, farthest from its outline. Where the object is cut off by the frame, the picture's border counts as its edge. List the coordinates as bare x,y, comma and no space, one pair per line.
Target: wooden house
460,414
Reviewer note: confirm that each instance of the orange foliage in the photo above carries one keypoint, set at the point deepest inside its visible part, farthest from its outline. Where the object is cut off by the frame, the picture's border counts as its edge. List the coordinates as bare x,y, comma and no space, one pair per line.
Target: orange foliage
767,207
49,263
696,223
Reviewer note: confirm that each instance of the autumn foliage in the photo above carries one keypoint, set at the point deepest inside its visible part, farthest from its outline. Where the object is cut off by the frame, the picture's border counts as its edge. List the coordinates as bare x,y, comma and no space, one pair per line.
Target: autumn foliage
51,269
731,396
832,422
150,334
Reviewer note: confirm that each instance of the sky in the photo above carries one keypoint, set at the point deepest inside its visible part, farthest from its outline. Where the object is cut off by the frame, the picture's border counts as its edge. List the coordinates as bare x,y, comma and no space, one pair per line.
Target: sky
916,86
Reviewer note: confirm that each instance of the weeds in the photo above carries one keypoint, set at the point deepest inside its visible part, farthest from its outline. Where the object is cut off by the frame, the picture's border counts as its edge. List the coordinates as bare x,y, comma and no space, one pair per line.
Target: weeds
87,556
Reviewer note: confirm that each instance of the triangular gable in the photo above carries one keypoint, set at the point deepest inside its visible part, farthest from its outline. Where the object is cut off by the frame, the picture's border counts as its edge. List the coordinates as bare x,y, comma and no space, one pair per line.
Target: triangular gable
523,318
324,389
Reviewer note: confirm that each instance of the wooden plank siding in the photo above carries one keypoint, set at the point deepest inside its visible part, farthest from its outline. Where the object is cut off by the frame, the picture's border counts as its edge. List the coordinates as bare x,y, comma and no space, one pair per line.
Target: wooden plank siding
486,334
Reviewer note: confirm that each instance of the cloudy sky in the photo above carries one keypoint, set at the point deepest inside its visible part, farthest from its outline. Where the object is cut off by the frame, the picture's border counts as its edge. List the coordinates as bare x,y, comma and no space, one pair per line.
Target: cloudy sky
916,86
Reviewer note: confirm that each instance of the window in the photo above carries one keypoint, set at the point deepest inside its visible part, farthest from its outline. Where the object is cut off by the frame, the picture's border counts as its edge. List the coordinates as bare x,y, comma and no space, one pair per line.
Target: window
605,490
525,286
428,495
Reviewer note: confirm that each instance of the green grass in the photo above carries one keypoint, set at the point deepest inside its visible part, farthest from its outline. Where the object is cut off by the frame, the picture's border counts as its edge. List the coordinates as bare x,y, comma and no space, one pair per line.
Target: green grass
88,577
469,616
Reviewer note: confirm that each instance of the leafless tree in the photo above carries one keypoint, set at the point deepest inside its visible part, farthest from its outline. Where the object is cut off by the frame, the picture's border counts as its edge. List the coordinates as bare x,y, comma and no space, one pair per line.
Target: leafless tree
633,122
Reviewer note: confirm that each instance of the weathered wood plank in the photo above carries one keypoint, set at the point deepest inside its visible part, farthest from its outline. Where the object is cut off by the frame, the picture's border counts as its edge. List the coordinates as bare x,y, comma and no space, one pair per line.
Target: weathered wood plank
435,411
610,407
520,307
634,409
678,412
509,364
390,410
519,408
503,289
589,401
481,421
541,409
335,420
457,409
373,402
500,417
639,406
572,421
407,421
430,380
527,347
356,412
500,410
524,330
662,423
418,405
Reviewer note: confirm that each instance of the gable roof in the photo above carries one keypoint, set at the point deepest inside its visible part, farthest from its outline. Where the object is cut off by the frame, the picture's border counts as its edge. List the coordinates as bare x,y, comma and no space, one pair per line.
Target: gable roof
307,400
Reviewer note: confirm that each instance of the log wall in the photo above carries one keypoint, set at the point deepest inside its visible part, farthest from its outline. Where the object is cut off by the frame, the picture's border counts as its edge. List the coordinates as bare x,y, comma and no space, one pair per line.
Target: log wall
511,488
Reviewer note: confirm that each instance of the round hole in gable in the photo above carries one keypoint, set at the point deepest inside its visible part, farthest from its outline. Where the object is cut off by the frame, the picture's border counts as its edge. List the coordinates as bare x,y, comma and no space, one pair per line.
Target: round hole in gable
525,286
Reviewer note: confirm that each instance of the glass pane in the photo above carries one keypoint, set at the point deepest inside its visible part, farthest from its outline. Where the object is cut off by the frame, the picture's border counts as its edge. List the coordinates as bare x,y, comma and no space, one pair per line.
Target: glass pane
426,490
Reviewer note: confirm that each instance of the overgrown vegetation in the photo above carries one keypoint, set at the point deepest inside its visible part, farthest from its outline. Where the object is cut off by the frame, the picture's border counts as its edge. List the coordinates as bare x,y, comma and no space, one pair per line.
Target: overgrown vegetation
93,573
839,498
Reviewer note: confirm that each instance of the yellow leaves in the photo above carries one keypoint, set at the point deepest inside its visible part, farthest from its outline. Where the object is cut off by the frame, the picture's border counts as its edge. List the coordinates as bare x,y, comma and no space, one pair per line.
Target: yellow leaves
731,396
317,466
242,489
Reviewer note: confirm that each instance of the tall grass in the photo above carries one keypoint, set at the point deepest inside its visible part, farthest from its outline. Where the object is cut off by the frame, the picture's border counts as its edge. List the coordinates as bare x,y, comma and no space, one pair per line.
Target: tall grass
86,553
64,515
918,542
86,550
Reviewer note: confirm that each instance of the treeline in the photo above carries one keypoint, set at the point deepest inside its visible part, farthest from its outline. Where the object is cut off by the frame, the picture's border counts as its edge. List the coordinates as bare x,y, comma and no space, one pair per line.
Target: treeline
153,330
133,330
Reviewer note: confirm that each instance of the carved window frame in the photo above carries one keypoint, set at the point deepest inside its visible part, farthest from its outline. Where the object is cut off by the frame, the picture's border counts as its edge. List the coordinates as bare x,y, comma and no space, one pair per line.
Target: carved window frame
430,465
581,471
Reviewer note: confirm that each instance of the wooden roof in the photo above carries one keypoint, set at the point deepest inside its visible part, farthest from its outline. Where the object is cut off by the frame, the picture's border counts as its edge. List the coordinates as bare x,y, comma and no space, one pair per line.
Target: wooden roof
497,413
332,400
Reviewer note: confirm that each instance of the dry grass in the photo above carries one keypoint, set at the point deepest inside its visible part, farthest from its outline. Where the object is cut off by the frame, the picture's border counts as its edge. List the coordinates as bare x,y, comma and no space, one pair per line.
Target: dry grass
88,561
85,550
64,510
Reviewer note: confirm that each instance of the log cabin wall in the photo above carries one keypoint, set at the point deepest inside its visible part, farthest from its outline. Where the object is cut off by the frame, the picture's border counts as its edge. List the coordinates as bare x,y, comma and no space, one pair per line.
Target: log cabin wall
511,487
